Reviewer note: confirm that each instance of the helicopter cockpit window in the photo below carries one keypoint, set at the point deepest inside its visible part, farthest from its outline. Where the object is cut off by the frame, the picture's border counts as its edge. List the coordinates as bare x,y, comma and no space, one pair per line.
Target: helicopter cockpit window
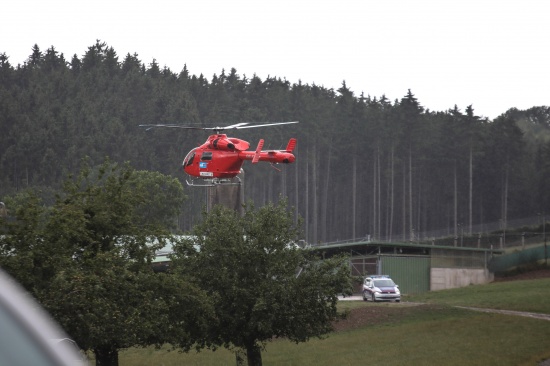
189,158
206,155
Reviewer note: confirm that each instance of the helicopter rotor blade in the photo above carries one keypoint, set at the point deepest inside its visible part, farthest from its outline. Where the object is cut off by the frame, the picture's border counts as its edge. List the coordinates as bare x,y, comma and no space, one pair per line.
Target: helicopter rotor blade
265,124
148,127
236,126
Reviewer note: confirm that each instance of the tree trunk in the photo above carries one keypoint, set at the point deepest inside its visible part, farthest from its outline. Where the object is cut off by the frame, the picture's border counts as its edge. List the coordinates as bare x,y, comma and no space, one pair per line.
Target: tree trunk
505,207
404,205
324,202
283,186
354,197
419,204
315,186
374,198
270,179
106,356
455,218
379,200
471,188
410,198
254,355
306,203
297,193
390,231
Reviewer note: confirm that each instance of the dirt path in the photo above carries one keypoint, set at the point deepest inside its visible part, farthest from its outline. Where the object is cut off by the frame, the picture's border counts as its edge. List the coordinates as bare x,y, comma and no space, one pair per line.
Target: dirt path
510,312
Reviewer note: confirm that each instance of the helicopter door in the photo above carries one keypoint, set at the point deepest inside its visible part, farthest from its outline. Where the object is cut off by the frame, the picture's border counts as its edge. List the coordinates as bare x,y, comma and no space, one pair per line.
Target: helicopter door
206,156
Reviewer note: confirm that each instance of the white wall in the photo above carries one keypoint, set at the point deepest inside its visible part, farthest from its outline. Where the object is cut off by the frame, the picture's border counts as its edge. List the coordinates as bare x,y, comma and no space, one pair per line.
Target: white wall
445,278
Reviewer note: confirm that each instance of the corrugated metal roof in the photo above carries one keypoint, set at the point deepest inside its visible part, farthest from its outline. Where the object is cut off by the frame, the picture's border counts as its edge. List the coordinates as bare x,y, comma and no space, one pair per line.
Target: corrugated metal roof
403,245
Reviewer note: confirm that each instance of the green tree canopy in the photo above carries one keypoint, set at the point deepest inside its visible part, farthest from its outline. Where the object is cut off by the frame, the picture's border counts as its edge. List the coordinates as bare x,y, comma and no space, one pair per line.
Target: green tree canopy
88,261
262,284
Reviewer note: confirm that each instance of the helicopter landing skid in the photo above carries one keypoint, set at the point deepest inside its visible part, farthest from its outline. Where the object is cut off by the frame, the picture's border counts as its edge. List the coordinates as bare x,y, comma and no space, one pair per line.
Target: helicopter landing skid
236,181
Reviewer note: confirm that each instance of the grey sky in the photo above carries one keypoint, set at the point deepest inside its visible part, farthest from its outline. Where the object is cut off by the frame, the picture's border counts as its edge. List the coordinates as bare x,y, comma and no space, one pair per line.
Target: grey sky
492,54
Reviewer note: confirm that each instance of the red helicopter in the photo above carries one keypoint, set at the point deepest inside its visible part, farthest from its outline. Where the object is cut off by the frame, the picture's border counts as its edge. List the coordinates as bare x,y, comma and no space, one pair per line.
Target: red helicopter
220,158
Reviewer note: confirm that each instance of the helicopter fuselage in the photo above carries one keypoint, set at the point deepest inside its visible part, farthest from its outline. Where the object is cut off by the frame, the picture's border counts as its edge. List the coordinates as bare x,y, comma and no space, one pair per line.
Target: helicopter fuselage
222,157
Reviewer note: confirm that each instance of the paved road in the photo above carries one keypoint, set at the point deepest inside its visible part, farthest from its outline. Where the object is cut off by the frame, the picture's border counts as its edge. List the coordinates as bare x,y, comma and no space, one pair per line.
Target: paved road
350,298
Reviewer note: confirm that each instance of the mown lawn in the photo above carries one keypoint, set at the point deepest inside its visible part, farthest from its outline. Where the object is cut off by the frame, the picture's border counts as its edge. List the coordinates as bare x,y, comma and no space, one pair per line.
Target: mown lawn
434,333
528,295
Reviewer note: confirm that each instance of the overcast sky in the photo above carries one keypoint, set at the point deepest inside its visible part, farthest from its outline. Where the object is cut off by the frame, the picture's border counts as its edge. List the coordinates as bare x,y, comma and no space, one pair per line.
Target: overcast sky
493,55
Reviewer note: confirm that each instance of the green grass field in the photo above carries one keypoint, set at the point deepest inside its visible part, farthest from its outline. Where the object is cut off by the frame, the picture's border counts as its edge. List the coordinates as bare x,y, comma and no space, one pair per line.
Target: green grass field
434,333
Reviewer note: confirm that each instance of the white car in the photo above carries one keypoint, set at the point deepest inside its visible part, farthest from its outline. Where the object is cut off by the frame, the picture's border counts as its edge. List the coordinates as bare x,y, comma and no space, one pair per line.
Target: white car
380,288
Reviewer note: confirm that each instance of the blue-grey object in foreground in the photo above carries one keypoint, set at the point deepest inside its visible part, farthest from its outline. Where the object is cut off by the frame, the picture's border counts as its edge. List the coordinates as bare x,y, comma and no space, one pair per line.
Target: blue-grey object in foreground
28,335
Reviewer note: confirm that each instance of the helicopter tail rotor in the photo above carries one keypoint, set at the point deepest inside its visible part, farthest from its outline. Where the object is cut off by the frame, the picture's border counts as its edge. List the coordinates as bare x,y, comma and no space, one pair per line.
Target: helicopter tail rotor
291,145
256,157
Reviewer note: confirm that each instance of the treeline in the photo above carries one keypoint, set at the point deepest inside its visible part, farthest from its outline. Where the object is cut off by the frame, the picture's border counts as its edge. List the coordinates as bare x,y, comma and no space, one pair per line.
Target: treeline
365,165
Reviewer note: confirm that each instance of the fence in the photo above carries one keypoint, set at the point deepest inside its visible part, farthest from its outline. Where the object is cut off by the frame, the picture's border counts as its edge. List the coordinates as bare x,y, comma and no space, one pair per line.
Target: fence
516,259
487,236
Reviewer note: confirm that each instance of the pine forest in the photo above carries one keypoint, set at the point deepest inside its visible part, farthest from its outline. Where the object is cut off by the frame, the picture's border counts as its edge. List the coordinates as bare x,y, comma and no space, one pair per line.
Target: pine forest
365,166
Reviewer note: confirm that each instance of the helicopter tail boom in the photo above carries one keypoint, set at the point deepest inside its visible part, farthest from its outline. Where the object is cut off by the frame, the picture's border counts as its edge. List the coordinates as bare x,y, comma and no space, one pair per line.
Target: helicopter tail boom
272,156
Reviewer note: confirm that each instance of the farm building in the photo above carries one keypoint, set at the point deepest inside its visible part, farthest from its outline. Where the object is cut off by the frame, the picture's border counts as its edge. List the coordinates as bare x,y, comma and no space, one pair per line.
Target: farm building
416,267
420,267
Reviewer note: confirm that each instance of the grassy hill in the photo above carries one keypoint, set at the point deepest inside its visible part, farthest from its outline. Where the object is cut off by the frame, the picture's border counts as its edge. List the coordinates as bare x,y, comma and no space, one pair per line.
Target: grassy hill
427,329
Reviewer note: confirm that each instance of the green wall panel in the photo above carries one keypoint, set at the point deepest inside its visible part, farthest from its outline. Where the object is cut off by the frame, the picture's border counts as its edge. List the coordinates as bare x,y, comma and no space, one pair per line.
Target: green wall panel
412,274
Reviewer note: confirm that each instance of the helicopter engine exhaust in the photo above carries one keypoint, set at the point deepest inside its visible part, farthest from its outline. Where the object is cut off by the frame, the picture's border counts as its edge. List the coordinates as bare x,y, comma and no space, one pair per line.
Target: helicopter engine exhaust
223,143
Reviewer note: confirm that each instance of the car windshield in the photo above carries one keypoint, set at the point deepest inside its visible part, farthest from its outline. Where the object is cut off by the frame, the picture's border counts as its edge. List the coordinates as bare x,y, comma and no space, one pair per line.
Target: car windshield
384,283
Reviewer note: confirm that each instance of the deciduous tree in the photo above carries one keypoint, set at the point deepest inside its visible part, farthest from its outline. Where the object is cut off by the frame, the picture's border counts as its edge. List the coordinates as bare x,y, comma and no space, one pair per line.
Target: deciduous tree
88,261
263,286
